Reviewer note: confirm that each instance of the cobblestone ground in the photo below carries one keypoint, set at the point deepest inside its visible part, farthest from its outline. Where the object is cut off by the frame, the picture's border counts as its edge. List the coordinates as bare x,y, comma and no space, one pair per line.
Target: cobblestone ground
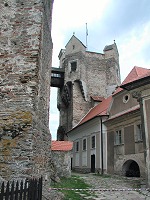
115,182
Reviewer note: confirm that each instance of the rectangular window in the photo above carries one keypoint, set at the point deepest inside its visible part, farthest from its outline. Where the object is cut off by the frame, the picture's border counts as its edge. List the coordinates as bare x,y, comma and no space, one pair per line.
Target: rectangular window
93,141
139,132
118,137
77,146
73,66
84,144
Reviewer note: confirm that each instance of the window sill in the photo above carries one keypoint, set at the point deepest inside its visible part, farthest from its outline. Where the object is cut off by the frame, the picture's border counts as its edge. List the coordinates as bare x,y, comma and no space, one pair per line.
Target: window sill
116,145
139,141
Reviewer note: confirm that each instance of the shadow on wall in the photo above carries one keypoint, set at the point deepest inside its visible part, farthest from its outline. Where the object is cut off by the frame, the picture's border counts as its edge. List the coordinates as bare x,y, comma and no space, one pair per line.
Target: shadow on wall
131,169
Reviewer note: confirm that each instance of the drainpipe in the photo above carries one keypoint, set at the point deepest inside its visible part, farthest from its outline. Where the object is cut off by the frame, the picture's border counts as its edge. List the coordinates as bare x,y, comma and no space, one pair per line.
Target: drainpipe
138,97
102,164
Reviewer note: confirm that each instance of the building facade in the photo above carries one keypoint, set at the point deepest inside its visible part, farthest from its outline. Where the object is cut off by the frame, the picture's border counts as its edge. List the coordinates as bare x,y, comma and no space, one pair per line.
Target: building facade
122,141
90,140
86,74
140,90
124,131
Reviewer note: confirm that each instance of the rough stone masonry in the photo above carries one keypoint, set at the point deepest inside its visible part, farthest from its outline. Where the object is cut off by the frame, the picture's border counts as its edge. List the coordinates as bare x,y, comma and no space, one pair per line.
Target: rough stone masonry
25,71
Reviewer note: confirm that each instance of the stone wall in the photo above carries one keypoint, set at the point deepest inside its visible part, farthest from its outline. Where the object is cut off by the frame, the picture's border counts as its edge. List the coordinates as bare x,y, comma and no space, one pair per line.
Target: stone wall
25,70
62,161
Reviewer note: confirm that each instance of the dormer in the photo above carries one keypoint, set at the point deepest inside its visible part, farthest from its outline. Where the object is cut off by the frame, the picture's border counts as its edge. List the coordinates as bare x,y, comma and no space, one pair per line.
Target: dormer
74,45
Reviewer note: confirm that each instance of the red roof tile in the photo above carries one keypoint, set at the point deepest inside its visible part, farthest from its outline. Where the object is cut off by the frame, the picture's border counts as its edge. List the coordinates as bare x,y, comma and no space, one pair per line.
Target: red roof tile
97,98
98,110
135,74
61,146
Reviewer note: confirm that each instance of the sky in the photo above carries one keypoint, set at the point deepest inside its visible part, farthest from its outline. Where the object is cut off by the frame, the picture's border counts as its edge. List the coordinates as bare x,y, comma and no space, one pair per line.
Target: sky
125,21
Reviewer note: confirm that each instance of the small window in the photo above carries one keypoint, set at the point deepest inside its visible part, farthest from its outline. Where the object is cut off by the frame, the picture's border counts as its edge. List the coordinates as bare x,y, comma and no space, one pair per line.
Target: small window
73,66
139,132
118,137
126,98
84,144
93,141
77,146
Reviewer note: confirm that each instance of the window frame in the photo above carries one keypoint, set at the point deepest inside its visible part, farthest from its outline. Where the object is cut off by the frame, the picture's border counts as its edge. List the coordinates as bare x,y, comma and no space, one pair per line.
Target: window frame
93,136
118,137
70,65
126,98
139,135
84,144
77,146
73,66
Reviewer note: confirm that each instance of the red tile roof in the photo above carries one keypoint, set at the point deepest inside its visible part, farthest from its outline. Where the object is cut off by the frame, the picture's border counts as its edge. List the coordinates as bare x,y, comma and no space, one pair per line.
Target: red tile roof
98,110
61,145
135,74
101,109
97,98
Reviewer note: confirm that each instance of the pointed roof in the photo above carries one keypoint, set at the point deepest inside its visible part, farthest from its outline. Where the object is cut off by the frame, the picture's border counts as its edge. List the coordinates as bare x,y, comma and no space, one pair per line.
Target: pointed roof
98,110
135,74
61,145
76,39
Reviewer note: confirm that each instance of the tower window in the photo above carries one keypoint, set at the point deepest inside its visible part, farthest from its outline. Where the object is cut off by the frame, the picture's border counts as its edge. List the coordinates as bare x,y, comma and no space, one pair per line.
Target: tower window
73,66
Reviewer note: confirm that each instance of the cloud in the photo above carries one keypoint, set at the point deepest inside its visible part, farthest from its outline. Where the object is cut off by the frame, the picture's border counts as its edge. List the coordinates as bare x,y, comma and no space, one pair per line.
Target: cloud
134,50
76,13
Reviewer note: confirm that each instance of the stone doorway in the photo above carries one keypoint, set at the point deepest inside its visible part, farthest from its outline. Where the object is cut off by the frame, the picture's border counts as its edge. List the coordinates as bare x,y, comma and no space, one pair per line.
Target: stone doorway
131,169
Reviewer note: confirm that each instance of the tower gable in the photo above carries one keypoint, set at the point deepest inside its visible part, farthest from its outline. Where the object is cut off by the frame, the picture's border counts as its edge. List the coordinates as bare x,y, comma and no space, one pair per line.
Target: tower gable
74,45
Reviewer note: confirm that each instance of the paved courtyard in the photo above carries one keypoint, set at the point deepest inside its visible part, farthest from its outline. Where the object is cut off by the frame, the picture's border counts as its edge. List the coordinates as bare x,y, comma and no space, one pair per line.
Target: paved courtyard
110,187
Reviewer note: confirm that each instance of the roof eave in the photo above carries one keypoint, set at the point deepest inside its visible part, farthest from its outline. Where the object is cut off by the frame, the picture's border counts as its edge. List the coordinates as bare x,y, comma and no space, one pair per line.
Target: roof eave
87,121
137,83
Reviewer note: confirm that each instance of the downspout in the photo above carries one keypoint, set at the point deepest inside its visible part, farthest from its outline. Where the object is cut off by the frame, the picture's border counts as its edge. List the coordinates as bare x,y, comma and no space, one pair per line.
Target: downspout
137,96
102,164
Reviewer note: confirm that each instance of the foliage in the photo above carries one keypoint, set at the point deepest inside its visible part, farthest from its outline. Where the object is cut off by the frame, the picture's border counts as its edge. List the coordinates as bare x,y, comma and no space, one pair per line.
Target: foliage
74,182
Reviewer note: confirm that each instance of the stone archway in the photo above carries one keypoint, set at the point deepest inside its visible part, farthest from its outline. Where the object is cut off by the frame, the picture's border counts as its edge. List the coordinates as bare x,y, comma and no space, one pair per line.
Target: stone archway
131,169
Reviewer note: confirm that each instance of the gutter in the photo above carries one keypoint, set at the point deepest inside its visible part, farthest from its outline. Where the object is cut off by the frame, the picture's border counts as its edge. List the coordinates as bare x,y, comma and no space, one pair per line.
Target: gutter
102,159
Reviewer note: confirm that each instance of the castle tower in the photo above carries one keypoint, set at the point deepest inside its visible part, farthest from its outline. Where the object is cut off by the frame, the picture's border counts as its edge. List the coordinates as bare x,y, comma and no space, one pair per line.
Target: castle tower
87,75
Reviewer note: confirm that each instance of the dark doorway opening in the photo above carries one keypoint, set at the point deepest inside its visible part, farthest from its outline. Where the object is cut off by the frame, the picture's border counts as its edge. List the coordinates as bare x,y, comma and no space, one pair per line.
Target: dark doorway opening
71,163
131,169
93,163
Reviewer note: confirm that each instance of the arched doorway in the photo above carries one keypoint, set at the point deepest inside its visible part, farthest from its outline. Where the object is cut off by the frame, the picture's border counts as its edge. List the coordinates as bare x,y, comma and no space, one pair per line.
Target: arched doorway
131,169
